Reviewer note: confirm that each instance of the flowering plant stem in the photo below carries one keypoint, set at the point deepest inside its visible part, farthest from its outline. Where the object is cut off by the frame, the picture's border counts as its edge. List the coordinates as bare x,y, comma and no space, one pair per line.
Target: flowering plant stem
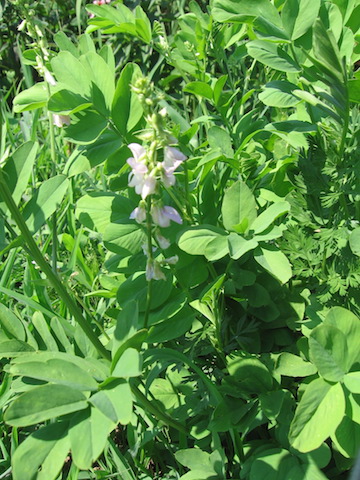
150,259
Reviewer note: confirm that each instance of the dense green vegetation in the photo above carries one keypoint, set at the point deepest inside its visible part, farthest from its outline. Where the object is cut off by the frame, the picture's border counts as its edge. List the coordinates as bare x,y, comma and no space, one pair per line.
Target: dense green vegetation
180,239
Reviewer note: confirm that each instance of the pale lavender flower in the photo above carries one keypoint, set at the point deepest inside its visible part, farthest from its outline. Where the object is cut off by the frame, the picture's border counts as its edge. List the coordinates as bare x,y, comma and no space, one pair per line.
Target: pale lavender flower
171,260
163,242
144,184
153,271
61,120
172,159
162,215
139,214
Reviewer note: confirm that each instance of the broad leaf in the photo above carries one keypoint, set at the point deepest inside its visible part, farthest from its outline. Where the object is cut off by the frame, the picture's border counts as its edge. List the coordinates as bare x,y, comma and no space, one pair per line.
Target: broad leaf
291,365
266,218
328,351
238,246
43,403
17,171
347,438
298,16
88,432
44,449
349,325
128,365
45,201
32,98
114,401
11,324
238,208
194,240
57,371
126,109
272,55
274,262
97,210
317,416
244,10
279,94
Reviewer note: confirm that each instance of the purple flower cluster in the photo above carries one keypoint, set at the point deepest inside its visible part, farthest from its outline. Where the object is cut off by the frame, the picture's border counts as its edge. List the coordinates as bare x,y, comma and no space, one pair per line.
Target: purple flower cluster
146,176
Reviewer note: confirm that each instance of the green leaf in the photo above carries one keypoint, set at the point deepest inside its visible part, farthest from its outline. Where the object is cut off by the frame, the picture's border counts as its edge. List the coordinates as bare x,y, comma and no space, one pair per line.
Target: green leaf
251,374
97,210
266,218
274,262
216,248
71,73
45,201
17,171
319,413
126,109
238,246
114,401
43,330
12,348
328,351
128,365
347,438
291,365
126,332
171,328
352,382
124,238
349,325
197,460
11,324
135,288
163,391
88,432
86,126
272,55
143,25
199,88
276,464
43,403
219,139
298,16
354,90
93,367
64,43
66,101
327,53
354,241
244,10
57,371
279,94
195,239
102,80
32,98
44,449
238,208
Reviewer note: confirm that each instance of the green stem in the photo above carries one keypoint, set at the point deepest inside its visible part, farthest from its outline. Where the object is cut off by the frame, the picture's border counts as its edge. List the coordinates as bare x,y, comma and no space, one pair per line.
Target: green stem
150,259
45,267
150,407
53,160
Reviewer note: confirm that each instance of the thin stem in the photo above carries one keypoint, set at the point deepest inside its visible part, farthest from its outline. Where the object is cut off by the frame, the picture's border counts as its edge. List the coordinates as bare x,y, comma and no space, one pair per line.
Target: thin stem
150,260
53,160
51,275
150,407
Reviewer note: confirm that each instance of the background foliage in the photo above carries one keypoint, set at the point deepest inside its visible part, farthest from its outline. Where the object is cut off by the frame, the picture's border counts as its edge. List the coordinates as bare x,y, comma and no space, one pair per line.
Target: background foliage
244,362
